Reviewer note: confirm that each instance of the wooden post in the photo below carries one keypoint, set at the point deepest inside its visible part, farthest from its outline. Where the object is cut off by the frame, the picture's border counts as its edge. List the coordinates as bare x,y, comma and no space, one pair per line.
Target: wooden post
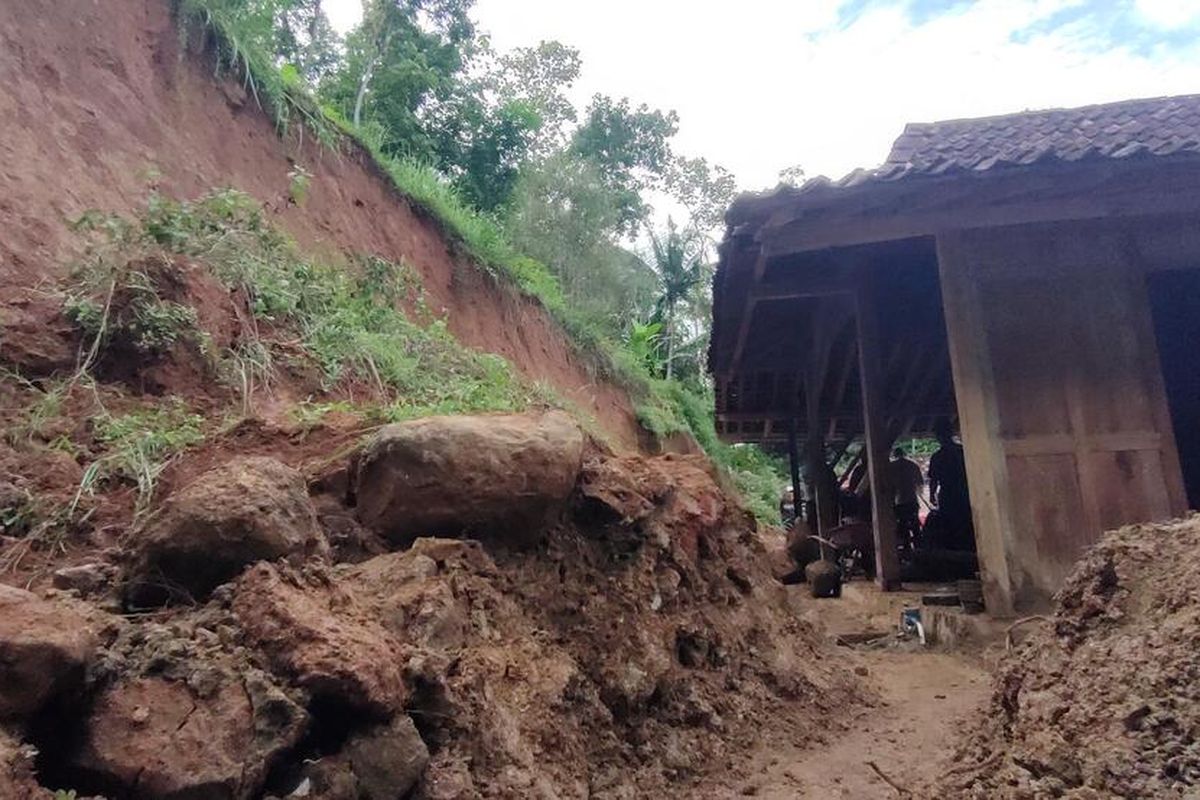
870,367
794,464
817,467
979,422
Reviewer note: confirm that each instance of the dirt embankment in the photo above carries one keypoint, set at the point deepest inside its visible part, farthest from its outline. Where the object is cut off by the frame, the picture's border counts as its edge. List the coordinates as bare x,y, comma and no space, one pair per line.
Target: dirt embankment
1103,700
99,100
247,641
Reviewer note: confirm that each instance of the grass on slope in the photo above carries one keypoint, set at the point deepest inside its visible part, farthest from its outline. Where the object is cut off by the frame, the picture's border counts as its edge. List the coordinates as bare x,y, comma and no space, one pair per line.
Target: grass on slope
345,318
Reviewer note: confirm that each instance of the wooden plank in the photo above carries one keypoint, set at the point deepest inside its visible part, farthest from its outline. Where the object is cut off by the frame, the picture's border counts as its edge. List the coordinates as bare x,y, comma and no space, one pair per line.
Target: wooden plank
887,562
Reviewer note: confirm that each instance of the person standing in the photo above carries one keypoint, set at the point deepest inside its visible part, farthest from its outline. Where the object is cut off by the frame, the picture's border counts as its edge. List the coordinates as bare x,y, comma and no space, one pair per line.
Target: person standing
948,489
907,483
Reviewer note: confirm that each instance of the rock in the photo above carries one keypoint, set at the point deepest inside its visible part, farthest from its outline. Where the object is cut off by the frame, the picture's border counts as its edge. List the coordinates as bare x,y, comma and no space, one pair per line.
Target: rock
15,509
16,772
251,509
322,640
411,595
349,542
88,579
154,738
475,475
44,652
824,579
387,762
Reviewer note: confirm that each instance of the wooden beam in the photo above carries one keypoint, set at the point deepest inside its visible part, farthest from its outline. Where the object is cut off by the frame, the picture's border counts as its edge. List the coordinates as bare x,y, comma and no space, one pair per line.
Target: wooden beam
883,212
818,287
870,367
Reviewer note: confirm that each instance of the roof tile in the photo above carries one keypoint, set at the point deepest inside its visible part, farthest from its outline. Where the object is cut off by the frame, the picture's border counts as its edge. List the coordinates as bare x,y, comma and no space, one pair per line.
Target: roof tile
1158,126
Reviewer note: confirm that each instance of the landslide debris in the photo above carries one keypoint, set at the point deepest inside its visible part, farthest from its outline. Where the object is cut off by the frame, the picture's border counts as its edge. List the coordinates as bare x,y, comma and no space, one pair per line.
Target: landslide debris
1104,702
628,642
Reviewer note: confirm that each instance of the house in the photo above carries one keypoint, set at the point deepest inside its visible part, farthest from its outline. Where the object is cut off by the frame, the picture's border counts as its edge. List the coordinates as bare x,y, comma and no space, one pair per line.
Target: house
1034,277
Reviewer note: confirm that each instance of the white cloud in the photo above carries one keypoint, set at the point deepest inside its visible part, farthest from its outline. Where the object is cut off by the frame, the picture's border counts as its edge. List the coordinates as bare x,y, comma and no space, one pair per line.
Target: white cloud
1169,13
761,85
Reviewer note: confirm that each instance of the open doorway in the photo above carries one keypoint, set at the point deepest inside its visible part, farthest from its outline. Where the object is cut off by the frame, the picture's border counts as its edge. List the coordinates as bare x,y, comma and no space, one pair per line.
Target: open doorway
1175,308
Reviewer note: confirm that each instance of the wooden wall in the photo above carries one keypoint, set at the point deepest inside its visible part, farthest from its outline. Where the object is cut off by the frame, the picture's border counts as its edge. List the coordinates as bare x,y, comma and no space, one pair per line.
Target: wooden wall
1063,412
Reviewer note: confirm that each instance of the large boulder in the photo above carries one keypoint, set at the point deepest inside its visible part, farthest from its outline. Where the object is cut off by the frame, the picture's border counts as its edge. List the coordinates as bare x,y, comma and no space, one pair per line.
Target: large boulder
318,636
150,738
44,652
250,509
472,475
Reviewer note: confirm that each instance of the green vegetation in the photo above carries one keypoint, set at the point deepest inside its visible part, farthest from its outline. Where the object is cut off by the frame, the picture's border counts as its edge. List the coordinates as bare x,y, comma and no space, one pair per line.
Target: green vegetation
139,445
346,317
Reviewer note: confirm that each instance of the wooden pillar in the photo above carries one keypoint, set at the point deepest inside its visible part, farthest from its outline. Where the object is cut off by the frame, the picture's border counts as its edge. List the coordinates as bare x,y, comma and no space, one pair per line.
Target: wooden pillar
979,423
816,465
794,464
870,367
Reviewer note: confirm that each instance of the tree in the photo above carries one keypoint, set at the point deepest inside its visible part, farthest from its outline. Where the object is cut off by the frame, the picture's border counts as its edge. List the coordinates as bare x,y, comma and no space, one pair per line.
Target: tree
508,110
305,39
565,215
630,149
704,189
792,176
679,265
540,77
403,54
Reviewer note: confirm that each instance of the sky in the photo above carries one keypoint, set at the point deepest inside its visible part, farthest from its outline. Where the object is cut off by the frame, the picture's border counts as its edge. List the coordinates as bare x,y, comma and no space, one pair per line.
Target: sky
827,85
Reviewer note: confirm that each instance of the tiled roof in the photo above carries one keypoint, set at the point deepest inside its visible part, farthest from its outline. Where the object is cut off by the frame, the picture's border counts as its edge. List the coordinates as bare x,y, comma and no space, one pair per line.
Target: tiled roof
1152,127
1163,127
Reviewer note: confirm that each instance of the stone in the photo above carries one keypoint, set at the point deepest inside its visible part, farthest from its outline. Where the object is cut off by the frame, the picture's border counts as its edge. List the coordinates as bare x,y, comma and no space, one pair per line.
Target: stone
91,578
412,592
321,639
480,476
250,509
151,737
45,649
824,579
387,762
16,772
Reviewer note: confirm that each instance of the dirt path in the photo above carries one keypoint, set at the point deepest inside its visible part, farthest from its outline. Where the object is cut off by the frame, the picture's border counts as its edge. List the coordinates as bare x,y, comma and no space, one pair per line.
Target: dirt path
924,695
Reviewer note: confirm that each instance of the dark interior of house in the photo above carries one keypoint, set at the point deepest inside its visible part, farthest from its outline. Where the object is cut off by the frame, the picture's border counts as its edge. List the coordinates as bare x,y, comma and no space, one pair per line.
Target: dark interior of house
1175,306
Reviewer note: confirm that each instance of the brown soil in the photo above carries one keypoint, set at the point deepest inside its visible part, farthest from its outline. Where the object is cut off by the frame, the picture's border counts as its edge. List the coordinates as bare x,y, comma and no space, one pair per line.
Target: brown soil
1102,699
99,96
908,733
634,652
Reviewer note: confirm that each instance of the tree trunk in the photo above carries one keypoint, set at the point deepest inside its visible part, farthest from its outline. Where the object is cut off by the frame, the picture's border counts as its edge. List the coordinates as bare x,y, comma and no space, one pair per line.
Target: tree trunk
670,342
362,92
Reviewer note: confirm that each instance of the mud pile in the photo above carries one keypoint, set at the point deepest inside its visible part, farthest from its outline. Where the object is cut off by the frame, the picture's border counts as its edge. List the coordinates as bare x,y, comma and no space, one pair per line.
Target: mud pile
627,640
1104,701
